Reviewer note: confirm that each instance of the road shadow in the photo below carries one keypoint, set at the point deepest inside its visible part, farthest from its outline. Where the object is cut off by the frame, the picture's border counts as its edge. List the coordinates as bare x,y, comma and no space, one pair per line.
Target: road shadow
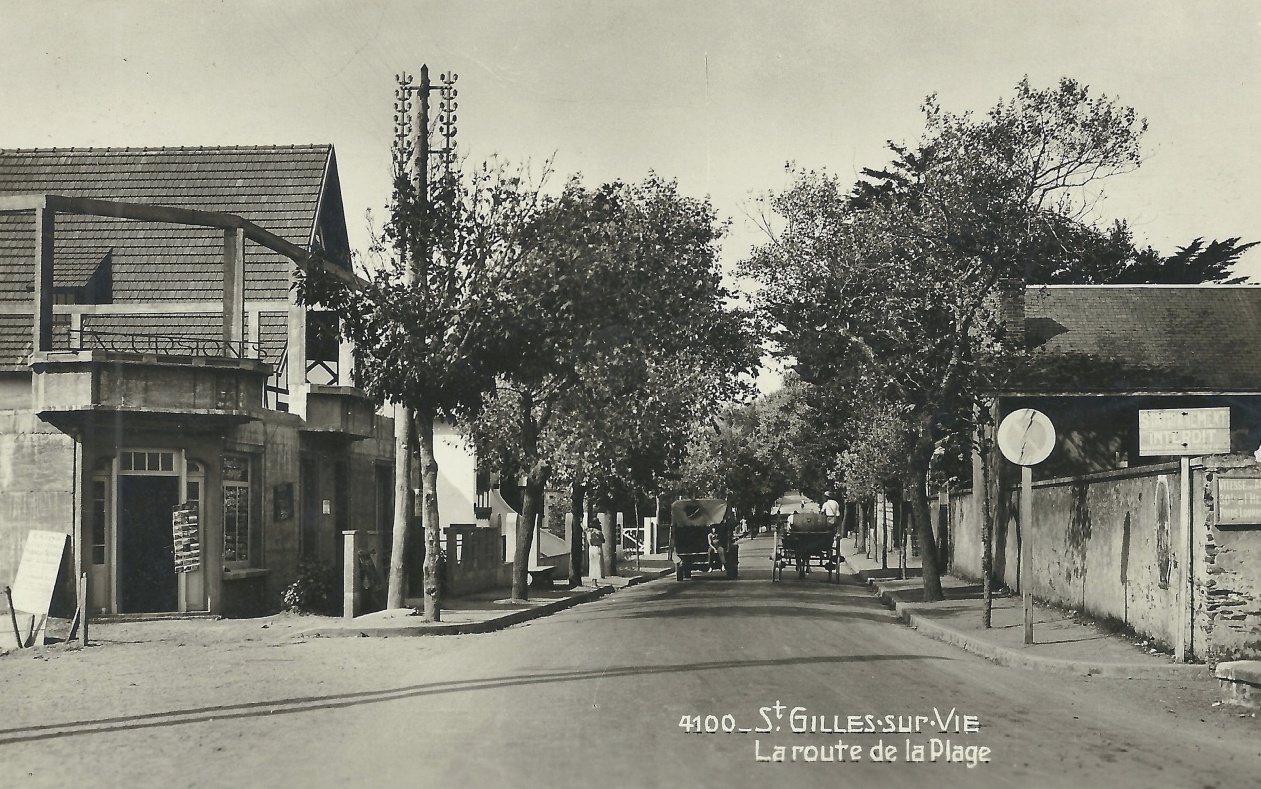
724,609
178,717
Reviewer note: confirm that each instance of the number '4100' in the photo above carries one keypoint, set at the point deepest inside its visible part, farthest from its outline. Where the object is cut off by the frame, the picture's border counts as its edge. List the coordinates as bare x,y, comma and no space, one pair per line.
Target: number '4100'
709,724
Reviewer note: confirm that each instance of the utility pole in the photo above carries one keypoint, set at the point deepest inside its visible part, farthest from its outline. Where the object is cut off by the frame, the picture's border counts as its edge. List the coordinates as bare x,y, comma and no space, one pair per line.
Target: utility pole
411,146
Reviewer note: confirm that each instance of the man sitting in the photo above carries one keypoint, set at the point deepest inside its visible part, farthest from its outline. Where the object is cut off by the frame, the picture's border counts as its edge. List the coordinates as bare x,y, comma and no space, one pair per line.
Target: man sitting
717,554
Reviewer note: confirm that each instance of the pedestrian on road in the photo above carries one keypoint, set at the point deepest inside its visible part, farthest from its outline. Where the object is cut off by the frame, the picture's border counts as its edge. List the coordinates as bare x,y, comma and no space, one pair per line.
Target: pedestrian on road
595,553
831,510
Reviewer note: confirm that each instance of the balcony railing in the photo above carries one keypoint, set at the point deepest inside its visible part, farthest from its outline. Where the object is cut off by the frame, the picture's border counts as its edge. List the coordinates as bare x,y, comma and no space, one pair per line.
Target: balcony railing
163,345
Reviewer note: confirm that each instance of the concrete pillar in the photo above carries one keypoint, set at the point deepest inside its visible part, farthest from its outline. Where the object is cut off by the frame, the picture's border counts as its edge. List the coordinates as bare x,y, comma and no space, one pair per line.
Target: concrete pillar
296,350
352,579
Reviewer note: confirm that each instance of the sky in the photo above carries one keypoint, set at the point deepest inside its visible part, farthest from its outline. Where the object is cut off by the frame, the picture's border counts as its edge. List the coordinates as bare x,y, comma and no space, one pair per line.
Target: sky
717,94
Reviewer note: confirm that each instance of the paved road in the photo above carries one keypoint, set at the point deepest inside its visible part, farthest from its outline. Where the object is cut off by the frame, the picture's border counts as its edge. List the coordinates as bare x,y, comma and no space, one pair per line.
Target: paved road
594,697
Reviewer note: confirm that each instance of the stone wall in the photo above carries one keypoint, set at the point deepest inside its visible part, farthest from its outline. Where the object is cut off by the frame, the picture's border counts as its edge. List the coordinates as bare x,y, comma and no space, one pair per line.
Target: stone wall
1111,545
1101,543
1104,544
1226,592
964,557
36,485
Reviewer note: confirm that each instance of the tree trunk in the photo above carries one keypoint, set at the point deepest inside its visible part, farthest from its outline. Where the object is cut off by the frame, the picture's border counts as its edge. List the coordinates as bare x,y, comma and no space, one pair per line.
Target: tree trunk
396,594
921,457
987,536
905,537
429,517
608,525
531,506
662,509
524,543
577,495
884,533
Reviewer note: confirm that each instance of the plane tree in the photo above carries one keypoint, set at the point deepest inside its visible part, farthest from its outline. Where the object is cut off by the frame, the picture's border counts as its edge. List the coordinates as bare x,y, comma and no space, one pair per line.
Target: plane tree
431,325
889,284
622,325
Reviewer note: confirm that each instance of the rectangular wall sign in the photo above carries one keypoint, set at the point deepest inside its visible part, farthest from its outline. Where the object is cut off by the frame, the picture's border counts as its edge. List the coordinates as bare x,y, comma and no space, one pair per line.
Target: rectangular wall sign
1184,431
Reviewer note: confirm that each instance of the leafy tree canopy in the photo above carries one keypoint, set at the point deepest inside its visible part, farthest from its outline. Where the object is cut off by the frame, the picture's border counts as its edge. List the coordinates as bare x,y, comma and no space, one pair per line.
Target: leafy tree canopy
886,287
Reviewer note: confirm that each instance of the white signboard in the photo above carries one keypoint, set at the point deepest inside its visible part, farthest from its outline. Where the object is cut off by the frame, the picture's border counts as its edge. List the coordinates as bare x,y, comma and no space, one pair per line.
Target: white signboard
1238,501
37,576
1184,431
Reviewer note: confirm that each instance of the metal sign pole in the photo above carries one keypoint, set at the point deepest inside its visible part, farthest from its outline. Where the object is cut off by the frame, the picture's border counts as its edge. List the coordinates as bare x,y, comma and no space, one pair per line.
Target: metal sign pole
1186,549
1026,438
1026,547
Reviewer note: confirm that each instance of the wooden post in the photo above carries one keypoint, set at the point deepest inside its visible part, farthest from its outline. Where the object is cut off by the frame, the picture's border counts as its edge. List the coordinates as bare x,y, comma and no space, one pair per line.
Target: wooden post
234,290
45,224
1026,547
1182,646
13,617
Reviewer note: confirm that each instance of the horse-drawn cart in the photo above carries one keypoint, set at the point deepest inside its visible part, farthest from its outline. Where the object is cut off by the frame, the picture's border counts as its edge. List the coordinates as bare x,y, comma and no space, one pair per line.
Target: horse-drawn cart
804,540
703,535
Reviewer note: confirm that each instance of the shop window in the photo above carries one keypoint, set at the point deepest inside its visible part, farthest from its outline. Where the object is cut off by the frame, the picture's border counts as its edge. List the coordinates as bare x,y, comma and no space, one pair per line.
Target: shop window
146,461
196,476
236,509
98,521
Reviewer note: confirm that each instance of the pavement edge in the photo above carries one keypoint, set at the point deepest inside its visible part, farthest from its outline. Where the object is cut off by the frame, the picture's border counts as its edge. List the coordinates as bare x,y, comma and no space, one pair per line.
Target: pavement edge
1012,658
485,626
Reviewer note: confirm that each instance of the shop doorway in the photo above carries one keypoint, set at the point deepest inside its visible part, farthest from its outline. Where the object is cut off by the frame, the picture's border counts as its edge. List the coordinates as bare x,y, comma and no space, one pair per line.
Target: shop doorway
147,580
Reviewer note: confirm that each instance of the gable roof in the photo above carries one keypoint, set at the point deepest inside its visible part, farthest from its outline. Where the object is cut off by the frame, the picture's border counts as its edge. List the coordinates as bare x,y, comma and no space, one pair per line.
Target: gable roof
279,188
1206,337
291,191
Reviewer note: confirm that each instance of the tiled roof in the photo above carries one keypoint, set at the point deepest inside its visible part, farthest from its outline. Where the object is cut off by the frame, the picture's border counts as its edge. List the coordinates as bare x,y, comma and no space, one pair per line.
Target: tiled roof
1204,335
278,188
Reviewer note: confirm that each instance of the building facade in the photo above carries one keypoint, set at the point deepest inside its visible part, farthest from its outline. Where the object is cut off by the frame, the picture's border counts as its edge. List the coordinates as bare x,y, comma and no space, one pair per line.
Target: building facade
1124,528
155,369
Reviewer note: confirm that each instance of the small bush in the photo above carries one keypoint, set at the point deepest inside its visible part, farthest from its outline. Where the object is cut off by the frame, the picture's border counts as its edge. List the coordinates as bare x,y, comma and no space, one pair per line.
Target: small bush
314,591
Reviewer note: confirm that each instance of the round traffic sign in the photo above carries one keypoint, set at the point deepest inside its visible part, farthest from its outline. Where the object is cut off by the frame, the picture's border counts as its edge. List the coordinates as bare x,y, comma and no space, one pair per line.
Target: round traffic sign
1026,437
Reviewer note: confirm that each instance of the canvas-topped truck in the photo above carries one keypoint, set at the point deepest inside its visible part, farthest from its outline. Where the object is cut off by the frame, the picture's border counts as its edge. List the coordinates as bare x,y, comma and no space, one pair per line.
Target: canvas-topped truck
702,532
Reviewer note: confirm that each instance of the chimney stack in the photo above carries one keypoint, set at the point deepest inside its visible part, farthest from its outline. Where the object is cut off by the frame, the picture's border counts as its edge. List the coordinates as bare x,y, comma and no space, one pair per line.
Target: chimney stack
1011,310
